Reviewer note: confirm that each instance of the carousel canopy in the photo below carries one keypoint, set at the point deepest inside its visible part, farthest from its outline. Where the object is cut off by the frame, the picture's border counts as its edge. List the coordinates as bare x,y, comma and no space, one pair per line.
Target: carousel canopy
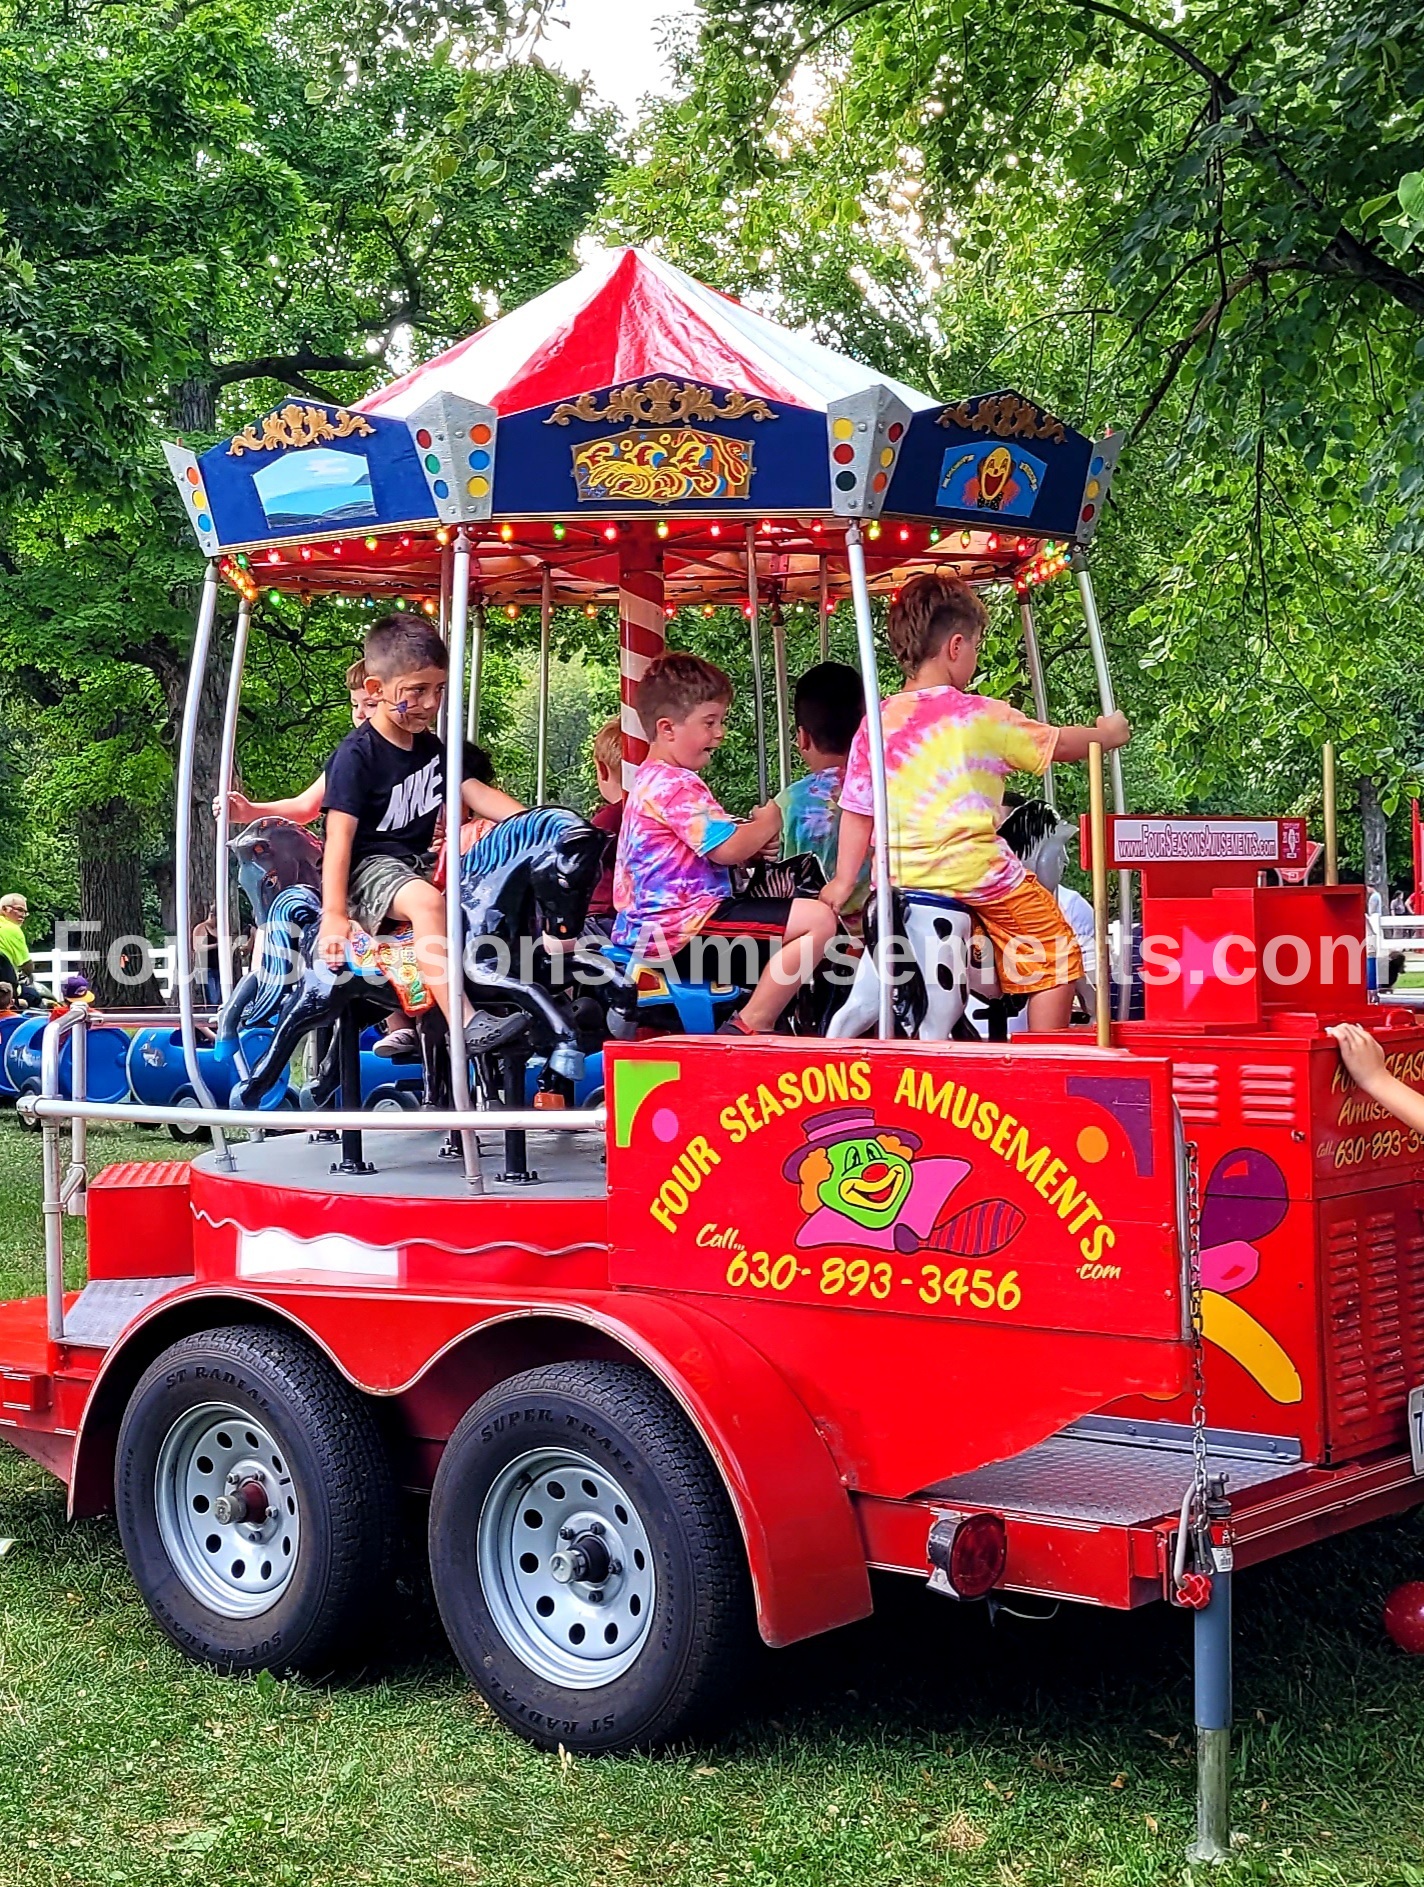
632,408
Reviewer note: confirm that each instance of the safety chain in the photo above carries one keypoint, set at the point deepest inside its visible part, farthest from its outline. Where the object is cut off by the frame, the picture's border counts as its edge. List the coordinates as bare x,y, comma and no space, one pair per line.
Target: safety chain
1204,1502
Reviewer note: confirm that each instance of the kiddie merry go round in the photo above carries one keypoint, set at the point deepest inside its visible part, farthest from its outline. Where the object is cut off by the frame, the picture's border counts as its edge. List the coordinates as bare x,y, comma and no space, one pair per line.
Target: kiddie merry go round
686,1355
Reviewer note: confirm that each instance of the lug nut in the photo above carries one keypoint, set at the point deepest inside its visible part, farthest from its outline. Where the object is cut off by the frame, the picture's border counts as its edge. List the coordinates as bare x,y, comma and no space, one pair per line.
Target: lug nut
615,1566
596,1597
596,1528
566,1533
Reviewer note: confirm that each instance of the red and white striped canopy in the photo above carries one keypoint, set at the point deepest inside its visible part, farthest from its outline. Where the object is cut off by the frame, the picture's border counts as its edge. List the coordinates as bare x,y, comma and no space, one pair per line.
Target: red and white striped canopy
628,316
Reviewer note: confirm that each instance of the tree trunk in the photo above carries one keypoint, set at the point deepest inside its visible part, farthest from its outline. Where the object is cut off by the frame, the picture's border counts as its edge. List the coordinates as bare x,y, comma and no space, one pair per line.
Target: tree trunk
120,969
1376,832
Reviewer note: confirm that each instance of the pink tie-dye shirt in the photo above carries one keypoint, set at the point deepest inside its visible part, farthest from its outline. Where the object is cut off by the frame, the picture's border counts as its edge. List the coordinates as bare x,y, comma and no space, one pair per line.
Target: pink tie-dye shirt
947,755
664,886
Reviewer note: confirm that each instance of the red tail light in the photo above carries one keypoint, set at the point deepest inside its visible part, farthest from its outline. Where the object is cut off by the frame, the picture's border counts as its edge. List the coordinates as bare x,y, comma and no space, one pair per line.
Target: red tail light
967,1554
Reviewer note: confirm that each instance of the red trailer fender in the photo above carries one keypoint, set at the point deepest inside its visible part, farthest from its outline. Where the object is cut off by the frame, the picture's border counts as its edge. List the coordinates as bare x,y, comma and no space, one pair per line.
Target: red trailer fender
803,1546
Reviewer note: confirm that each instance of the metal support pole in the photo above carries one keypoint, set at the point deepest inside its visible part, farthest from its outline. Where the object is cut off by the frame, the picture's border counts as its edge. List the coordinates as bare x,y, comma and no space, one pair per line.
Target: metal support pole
477,650
348,1049
75,1019
1211,1664
879,793
546,624
754,624
781,689
1098,823
823,598
1332,831
183,848
454,814
79,1128
1033,655
1105,696
222,871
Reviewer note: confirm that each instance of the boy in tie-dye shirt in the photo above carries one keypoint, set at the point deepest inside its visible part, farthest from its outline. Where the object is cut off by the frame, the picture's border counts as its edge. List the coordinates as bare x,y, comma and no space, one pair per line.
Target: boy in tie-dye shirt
671,883
947,756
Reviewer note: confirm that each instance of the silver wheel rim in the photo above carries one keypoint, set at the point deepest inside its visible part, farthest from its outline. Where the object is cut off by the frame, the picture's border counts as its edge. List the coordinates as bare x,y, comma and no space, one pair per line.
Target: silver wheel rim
240,1563
187,1102
553,1518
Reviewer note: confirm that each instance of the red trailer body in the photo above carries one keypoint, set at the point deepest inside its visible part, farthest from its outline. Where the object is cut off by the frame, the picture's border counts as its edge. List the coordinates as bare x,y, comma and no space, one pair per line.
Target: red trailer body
890,1284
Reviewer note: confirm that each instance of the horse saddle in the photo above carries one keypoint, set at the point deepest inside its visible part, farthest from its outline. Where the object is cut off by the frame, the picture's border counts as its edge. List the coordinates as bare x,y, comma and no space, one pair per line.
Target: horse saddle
390,957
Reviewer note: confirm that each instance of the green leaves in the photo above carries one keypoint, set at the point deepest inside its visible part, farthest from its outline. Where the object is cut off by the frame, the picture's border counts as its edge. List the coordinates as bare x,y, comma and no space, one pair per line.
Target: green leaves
1404,230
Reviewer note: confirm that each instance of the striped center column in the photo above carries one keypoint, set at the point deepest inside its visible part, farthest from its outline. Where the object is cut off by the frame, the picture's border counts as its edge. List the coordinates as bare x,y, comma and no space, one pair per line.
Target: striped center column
641,632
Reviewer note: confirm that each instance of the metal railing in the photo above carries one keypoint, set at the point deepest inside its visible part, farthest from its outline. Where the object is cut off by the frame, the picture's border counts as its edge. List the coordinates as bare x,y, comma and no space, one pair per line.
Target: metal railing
64,1186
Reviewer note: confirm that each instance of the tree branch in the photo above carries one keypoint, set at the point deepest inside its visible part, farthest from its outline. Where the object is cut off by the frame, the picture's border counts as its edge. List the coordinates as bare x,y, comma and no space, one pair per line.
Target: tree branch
292,369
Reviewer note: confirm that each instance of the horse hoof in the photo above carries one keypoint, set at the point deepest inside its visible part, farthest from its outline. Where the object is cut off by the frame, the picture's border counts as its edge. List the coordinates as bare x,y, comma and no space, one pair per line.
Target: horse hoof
568,1061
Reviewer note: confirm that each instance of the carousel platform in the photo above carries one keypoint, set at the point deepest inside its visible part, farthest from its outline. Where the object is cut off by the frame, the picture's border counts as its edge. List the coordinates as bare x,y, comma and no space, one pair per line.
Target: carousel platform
412,1166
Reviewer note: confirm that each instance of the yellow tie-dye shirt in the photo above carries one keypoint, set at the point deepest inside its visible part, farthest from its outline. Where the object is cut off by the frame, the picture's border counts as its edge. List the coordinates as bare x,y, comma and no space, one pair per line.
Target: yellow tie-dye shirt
947,755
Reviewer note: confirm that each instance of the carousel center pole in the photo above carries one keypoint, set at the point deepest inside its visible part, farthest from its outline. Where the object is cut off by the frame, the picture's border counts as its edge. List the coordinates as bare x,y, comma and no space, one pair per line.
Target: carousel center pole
642,634
823,613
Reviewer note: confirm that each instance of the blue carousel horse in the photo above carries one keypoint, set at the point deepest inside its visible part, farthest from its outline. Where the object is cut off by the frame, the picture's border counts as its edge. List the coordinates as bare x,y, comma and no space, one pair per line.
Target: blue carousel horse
524,887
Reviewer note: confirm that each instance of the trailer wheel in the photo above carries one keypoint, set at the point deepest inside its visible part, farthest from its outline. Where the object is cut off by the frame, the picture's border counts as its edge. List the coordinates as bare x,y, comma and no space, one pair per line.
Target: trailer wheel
255,1501
26,1125
586,1561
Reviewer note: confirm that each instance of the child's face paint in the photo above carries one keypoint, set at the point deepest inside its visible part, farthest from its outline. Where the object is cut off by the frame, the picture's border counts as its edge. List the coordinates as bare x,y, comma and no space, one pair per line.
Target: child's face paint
413,701
867,1182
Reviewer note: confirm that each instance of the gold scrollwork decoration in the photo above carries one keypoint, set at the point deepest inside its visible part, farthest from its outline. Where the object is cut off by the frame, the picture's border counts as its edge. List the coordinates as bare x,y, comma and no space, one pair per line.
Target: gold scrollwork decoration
660,403
662,467
1004,416
297,425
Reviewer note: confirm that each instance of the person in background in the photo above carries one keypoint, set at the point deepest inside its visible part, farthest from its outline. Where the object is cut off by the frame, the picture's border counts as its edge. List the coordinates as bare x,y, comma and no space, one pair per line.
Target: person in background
205,956
7,1001
827,708
15,965
608,767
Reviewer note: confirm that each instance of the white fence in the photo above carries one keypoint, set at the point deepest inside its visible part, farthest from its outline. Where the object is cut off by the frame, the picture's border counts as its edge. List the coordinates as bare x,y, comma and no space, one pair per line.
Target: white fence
50,967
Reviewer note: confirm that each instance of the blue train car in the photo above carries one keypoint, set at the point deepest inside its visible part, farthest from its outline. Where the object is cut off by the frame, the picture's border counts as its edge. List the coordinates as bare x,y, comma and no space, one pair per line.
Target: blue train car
159,1077
107,1065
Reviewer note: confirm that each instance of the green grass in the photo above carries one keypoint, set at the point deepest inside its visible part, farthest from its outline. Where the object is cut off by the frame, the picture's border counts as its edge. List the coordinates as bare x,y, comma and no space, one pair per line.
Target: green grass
925,1747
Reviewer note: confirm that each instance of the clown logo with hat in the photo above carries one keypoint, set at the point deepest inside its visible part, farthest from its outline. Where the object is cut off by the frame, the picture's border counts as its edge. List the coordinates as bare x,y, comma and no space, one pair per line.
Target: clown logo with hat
861,1184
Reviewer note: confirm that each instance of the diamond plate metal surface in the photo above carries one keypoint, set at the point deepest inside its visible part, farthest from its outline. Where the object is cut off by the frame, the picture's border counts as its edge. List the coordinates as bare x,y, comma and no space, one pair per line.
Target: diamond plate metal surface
108,1306
1111,1483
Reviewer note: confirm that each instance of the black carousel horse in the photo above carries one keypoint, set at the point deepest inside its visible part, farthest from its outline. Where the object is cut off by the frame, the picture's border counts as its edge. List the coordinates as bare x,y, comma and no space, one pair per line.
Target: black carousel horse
524,886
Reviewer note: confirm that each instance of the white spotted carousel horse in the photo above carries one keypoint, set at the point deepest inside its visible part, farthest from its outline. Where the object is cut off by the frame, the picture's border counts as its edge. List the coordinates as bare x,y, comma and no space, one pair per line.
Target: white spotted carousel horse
940,955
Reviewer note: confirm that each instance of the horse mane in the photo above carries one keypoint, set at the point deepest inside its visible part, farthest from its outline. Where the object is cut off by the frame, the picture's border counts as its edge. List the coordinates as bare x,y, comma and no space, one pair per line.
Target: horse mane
515,836
1028,825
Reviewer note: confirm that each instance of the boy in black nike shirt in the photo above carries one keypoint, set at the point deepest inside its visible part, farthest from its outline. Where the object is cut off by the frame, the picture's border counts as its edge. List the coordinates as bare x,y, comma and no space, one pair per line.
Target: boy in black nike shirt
385,786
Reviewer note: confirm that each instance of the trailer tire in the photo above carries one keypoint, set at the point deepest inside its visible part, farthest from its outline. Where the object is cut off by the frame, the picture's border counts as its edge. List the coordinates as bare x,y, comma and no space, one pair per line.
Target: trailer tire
650,1643
217,1412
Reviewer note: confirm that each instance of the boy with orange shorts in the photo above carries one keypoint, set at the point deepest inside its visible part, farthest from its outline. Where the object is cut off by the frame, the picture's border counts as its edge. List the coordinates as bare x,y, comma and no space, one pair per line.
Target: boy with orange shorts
947,756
